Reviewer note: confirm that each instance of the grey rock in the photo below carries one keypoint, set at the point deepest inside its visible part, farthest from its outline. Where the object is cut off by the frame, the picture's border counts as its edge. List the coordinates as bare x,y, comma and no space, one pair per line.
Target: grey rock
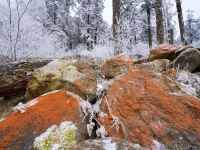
188,60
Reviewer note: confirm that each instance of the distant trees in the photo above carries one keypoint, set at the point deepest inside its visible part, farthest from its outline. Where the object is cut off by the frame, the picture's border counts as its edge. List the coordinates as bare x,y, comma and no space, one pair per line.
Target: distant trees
11,18
192,28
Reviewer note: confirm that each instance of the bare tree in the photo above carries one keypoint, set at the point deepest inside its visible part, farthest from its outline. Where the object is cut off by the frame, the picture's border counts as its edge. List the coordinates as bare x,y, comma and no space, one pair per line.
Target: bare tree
12,34
180,20
116,27
159,22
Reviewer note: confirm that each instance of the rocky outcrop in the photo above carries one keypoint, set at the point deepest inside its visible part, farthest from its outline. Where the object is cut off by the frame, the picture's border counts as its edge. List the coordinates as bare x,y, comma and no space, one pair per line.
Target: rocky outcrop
158,65
14,77
167,51
57,114
116,66
187,60
144,107
107,144
74,76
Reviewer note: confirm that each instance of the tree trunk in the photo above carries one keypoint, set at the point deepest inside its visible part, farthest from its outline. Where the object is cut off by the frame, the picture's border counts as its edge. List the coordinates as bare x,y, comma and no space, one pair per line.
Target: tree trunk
181,22
14,77
148,8
159,22
116,27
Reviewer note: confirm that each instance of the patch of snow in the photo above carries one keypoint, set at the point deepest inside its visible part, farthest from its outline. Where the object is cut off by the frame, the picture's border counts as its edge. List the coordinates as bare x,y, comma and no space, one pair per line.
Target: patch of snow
56,147
2,119
109,145
51,92
158,145
31,103
100,89
90,128
20,107
139,7
101,132
189,83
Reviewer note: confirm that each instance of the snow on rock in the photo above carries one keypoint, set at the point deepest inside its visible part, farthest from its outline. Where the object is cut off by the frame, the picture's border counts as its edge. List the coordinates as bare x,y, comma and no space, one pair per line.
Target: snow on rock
39,115
108,144
189,83
57,137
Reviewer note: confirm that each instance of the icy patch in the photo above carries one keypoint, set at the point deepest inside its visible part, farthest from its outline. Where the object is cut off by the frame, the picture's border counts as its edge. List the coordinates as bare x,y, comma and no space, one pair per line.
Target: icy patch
20,107
189,83
2,119
158,146
50,92
109,145
57,137
101,132
31,103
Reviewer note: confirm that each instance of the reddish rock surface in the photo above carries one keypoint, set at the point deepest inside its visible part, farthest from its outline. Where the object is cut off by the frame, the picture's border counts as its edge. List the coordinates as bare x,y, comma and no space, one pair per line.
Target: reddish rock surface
146,107
167,51
115,66
19,130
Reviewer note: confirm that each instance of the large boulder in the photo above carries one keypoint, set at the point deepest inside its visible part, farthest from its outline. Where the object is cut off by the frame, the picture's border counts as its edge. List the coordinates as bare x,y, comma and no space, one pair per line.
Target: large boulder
144,107
115,66
74,76
107,144
187,60
15,77
158,65
167,51
54,117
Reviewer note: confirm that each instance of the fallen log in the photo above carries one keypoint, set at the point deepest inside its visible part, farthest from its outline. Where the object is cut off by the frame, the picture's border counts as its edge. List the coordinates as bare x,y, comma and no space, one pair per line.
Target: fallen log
14,77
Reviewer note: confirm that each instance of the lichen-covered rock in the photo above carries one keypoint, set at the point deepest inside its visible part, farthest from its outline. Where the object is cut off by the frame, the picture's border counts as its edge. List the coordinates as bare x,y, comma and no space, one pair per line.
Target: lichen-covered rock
144,107
116,66
167,51
107,144
58,137
74,76
158,65
187,60
19,130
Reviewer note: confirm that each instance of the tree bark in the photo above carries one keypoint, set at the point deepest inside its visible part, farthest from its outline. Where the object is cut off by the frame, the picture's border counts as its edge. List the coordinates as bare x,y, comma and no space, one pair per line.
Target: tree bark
116,27
181,22
159,22
148,9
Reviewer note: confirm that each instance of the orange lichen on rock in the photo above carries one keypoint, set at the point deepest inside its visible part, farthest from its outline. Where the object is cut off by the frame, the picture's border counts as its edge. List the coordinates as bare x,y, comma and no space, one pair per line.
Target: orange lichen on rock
116,66
167,51
19,130
150,106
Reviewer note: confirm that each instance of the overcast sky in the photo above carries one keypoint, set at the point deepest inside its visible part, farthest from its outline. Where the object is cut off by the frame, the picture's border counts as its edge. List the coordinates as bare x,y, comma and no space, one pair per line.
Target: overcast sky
187,4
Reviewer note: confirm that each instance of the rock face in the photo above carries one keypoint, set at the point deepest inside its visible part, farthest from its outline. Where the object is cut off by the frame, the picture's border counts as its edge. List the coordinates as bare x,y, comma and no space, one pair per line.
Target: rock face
116,66
74,76
167,51
146,107
19,130
158,65
107,144
187,60
14,77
